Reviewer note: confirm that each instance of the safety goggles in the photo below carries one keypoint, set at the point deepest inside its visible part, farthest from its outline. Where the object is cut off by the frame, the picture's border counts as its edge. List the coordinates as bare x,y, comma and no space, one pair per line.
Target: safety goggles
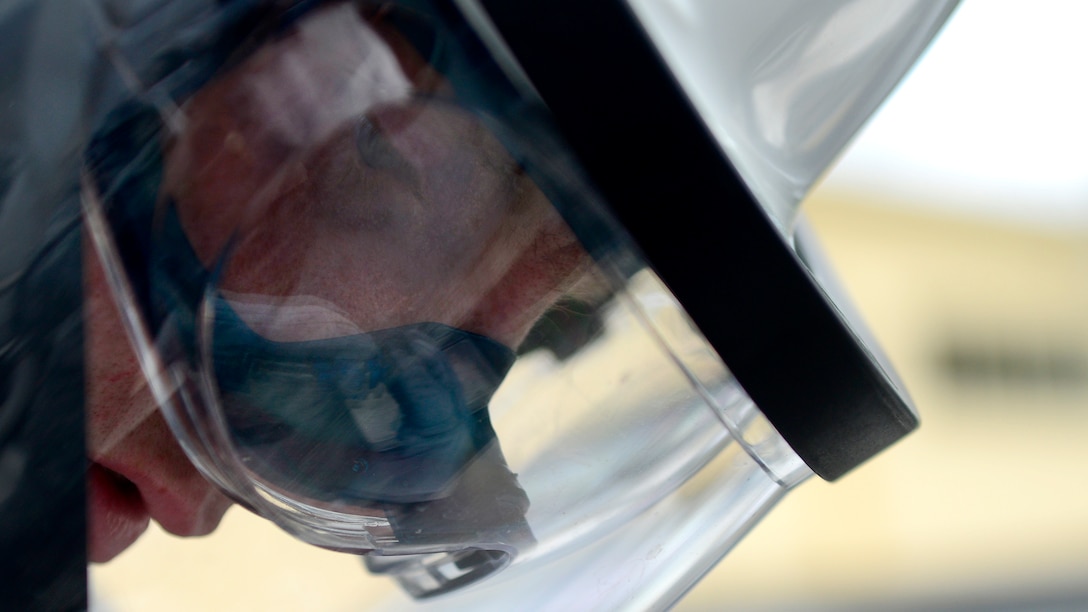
410,297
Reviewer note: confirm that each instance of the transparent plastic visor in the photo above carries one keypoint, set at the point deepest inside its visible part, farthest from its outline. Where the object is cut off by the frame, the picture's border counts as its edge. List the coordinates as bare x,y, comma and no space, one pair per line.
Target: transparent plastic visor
366,319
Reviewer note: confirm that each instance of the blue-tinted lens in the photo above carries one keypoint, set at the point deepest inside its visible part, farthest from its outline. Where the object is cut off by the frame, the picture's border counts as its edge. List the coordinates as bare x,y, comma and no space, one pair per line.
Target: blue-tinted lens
388,416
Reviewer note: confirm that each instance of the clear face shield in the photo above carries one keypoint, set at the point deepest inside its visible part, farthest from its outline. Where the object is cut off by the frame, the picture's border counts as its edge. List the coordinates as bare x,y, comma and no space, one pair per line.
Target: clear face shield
384,304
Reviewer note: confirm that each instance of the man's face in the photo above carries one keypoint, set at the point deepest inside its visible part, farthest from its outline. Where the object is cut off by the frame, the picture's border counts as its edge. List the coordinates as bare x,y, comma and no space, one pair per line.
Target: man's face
340,191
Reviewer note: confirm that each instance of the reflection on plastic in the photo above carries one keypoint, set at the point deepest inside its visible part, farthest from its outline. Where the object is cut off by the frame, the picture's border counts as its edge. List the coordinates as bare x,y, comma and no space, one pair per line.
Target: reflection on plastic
784,88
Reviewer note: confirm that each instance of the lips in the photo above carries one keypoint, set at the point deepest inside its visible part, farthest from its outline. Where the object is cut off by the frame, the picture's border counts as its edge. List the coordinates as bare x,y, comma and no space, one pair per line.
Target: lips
147,476
116,513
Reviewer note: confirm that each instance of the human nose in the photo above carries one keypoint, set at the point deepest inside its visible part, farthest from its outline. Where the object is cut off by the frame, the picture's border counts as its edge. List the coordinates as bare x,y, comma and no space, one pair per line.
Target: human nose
175,494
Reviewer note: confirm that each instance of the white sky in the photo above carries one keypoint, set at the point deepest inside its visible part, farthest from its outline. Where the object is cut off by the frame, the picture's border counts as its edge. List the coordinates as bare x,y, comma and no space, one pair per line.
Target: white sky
993,119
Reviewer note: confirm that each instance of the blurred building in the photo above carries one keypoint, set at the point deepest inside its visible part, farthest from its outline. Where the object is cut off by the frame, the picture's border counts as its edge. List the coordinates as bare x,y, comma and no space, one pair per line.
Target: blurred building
985,507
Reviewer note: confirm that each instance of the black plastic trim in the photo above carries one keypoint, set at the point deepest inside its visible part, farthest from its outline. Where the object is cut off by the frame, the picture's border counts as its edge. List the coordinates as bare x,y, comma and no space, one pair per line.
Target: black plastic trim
668,182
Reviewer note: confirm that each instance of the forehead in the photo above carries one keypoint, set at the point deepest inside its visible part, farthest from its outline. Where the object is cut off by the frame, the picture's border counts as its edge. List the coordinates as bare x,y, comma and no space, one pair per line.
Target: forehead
324,69
335,164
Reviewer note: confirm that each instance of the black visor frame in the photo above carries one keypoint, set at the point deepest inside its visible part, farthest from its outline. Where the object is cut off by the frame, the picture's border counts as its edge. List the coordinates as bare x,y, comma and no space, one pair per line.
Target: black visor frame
650,156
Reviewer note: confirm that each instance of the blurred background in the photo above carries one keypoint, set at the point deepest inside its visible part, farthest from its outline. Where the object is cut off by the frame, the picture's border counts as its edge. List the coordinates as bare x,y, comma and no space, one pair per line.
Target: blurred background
958,221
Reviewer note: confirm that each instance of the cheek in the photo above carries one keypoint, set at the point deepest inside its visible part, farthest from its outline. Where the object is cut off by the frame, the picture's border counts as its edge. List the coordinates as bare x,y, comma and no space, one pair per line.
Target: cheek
117,398
541,265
